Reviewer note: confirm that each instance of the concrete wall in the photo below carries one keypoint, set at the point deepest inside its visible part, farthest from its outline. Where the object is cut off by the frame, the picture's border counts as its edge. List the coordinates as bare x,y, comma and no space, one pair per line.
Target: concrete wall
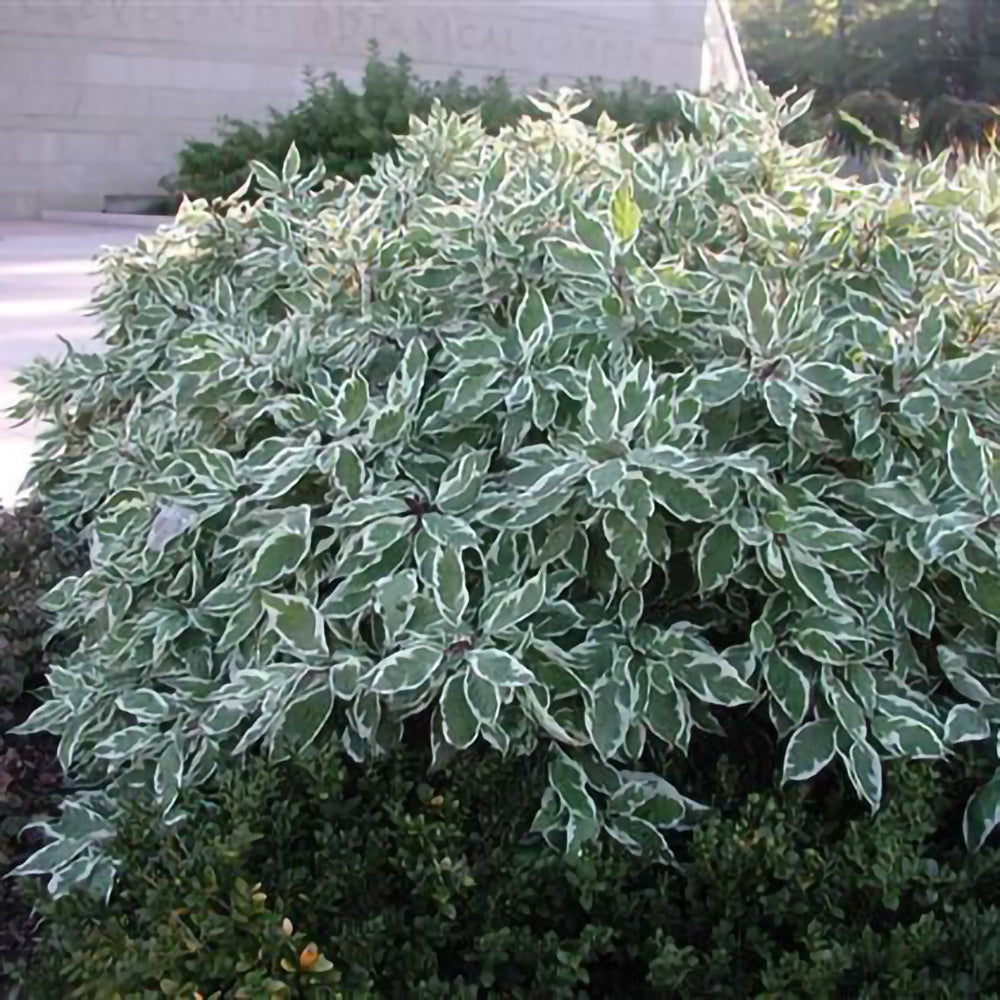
96,96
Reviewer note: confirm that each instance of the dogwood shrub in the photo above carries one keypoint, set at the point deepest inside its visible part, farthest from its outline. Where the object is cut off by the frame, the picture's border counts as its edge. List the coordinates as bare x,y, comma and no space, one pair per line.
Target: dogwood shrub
546,440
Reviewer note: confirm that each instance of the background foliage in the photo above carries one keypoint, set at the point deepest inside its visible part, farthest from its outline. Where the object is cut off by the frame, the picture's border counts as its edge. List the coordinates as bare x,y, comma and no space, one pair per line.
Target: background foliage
938,60
344,128
408,885
917,49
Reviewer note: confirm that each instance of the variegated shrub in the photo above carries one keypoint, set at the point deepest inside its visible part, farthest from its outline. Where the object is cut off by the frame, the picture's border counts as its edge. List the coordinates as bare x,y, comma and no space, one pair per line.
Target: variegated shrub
546,438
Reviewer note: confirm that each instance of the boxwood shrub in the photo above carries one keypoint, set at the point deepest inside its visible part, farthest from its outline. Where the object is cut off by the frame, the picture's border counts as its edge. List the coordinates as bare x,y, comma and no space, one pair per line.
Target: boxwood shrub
312,878
32,561
535,441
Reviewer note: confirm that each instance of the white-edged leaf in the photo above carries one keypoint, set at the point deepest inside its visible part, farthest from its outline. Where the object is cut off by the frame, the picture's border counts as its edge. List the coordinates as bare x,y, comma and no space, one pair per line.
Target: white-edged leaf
450,593
505,610
600,408
718,386
499,668
788,685
292,164
533,321
718,556
280,554
982,813
906,737
809,750
483,697
965,723
297,621
462,482
966,459
406,669
306,716
459,721
864,768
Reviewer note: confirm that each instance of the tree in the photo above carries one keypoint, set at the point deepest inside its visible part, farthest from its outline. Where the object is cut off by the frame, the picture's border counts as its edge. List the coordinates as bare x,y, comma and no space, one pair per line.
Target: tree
917,49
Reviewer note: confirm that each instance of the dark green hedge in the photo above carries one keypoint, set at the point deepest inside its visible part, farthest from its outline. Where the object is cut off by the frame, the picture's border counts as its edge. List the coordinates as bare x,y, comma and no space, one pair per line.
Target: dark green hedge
31,562
345,128
413,885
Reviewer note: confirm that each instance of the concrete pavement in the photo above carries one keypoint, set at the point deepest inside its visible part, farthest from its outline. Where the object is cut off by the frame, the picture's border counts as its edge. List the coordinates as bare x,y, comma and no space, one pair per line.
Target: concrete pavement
47,275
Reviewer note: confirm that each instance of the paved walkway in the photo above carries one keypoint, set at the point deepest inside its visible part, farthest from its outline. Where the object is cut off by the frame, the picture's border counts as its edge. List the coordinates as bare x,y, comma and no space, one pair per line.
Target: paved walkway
47,275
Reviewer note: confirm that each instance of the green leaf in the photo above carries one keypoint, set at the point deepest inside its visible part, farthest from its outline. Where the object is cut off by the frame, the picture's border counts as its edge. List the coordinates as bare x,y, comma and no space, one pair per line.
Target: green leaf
965,723
788,685
906,737
718,557
462,482
507,609
307,715
499,668
280,554
291,165
864,768
713,680
296,621
719,386
966,460
982,814
450,593
600,409
625,213
576,261
407,669
809,750
458,718
483,697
